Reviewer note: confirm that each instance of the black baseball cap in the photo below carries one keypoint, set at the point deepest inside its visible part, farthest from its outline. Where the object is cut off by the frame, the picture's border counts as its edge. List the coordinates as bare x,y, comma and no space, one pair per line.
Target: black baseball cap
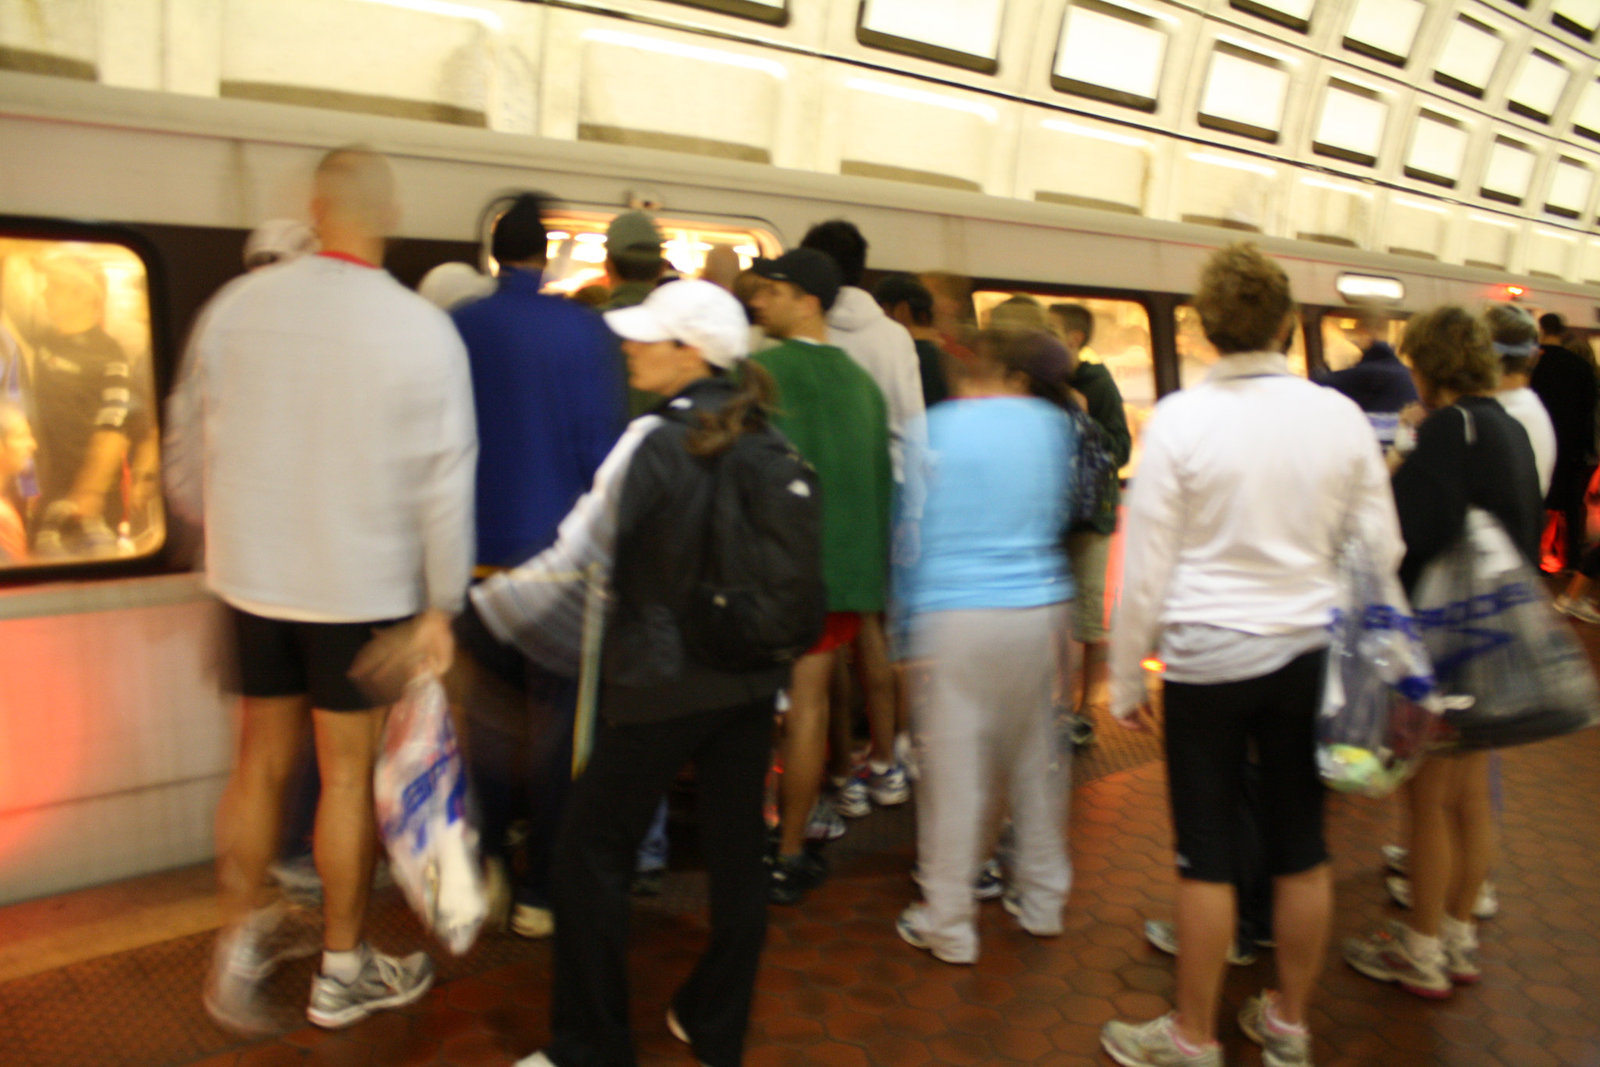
812,271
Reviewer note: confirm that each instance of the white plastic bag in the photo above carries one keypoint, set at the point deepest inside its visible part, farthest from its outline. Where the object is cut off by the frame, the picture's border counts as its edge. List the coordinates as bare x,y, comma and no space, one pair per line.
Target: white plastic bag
420,791
1379,702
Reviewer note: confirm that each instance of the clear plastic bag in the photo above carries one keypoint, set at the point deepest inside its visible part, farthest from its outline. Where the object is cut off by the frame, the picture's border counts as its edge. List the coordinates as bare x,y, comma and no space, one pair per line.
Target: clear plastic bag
1493,635
1379,704
420,792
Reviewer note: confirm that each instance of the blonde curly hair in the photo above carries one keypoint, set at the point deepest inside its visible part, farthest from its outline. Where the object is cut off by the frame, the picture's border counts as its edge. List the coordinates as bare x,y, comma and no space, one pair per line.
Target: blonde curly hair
1243,299
1449,348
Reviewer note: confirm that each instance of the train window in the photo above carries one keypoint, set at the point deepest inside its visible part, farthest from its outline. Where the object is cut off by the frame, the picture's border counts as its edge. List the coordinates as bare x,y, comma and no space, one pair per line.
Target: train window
1468,57
1196,355
1570,185
79,439
1244,92
1121,344
1351,124
1578,17
964,33
1586,116
1510,171
773,11
1295,14
1384,29
1110,53
1537,88
1438,149
1341,348
576,247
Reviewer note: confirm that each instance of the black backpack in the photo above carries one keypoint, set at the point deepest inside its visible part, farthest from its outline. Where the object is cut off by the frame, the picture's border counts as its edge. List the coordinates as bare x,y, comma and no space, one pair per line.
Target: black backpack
1094,473
759,601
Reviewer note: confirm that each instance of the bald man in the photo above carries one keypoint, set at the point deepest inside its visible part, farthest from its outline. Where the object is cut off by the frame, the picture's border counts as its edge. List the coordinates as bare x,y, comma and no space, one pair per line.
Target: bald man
326,411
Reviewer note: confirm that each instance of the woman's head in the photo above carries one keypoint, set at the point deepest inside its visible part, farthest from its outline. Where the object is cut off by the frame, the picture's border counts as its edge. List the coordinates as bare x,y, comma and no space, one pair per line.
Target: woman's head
1450,350
1243,300
1514,336
684,330
1032,362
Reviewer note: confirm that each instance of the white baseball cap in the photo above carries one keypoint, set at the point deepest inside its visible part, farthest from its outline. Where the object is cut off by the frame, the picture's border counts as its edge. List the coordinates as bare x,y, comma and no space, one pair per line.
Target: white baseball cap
694,312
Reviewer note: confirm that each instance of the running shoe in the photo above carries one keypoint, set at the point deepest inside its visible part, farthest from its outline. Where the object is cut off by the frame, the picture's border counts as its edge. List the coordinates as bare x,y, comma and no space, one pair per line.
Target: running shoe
1487,906
1461,960
792,877
384,982
851,799
889,789
532,922
1383,955
1580,608
1155,1044
824,823
1164,936
1397,858
1013,905
299,880
246,956
991,883
1279,1047
908,929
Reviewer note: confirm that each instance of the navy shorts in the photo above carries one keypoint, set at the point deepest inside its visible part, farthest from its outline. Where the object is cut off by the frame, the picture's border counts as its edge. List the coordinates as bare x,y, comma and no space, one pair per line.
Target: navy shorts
281,658
1210,730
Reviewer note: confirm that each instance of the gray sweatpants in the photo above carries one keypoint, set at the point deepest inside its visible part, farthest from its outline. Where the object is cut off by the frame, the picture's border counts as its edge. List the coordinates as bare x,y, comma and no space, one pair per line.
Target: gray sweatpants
985,735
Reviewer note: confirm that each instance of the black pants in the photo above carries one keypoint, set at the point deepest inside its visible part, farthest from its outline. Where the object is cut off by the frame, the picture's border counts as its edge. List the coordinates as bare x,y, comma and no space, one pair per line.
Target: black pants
1567,487
606,817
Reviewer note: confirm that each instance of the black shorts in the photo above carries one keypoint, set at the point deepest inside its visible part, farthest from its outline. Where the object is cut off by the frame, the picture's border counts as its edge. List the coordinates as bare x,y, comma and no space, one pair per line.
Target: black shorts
1209,733
281,658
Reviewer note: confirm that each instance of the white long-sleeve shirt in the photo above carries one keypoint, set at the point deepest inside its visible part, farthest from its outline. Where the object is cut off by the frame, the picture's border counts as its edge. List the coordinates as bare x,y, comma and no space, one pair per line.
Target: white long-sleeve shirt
884,349
323,426
1249,487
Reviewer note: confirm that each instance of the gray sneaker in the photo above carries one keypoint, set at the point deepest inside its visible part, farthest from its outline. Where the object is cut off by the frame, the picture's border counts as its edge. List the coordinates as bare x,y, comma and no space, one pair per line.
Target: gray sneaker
1278,1049
384,982
1154,1044
245,957
1164,936
1487,906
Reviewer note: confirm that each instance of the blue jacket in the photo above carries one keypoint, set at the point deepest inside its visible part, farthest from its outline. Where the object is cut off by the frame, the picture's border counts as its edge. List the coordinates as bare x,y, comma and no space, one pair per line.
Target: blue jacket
550,405
1379,383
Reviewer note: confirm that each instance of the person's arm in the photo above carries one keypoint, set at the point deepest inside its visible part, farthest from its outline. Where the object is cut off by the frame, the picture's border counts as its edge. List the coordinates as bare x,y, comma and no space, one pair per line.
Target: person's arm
1105,407
1430,490
602,401
445,508
1153,534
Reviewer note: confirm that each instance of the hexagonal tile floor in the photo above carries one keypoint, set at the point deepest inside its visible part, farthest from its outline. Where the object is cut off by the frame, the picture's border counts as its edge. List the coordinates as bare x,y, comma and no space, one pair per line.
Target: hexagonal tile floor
838,987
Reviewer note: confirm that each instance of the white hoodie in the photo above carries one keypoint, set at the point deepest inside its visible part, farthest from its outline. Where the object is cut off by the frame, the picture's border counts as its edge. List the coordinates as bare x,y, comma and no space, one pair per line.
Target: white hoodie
884,350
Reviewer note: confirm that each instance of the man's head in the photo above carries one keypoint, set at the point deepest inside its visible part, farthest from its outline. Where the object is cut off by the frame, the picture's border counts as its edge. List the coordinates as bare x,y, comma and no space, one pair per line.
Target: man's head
1551,328
519,235
841,242
679,326
1244,301
798,289
1371,326
1019,312
74,292
633,248
353,197
905,300
1074,324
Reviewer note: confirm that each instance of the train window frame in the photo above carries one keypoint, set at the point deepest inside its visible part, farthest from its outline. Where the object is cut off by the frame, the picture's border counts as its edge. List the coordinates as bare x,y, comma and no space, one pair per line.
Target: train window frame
1129,18
161,557
775,15
911,46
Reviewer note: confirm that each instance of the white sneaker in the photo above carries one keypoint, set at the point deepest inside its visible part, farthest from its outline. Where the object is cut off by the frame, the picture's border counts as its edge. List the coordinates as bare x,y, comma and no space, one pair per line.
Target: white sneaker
247,955
1487,906
1154,1044
384,982
1397,858
852,800
533,922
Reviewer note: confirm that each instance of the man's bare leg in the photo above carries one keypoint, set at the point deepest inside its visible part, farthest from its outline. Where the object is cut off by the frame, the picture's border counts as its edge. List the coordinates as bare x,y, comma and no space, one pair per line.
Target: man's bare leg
345,841
877,686
250,816
805,743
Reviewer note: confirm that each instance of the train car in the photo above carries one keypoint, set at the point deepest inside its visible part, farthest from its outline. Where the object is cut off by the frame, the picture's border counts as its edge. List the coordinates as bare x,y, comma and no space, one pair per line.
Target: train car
991,152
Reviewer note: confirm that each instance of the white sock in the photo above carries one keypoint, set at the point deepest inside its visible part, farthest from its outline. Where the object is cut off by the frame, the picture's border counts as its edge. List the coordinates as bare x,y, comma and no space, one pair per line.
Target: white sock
343,966
1423,948
1454,931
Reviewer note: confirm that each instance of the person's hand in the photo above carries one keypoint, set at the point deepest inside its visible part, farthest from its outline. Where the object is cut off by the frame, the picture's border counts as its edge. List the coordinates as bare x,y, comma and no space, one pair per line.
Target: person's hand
387,664
1141,719
1412,414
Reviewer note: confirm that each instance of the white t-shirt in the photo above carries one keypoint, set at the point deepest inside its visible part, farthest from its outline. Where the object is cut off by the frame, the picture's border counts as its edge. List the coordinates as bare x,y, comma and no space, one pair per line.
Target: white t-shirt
1525,406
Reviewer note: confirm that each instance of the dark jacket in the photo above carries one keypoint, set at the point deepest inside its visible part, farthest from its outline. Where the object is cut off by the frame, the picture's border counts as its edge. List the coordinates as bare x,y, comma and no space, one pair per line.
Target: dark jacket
1445,474
1379,383
1104,401
1566,383
662,517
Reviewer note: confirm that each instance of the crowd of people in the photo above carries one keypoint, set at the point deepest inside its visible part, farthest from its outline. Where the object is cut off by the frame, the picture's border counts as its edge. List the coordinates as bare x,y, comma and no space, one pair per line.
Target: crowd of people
464,483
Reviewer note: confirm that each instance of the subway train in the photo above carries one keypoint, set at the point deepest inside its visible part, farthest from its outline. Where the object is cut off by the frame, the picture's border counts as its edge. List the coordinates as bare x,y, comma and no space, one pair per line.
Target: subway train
115,733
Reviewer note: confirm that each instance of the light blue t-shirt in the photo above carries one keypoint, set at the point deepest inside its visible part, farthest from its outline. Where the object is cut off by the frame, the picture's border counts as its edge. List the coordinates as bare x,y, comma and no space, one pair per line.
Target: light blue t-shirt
984,508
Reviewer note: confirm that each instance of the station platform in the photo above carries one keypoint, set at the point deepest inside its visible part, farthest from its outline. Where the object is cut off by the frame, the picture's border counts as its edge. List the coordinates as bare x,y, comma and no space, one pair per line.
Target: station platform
111,977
